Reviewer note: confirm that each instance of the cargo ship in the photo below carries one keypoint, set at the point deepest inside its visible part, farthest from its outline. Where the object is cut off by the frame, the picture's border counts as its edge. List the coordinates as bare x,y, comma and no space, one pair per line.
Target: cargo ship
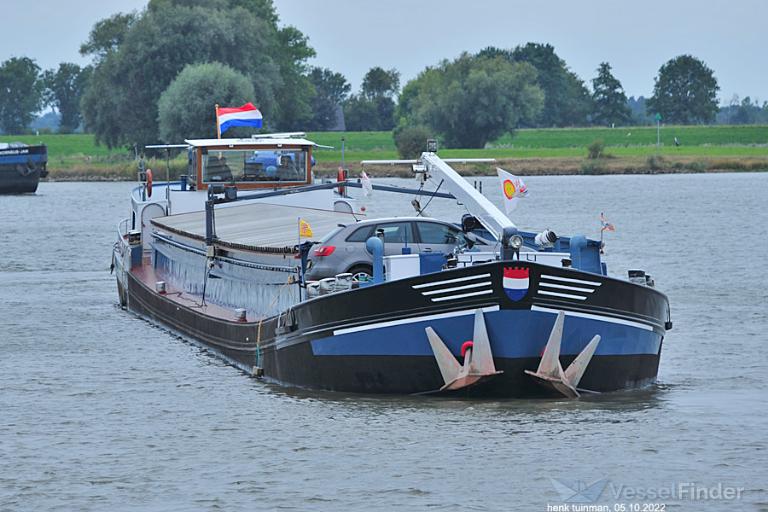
21,167
216,258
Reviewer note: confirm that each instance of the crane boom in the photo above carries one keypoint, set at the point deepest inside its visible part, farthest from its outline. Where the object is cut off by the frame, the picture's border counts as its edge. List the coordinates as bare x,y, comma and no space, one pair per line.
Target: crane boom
478,205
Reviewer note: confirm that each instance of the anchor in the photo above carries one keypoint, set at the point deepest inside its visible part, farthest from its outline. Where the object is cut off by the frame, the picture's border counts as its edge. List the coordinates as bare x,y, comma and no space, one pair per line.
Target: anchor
550,372
478,359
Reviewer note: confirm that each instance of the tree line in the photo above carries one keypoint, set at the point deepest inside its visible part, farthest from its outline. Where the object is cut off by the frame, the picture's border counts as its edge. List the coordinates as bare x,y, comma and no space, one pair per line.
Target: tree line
155,75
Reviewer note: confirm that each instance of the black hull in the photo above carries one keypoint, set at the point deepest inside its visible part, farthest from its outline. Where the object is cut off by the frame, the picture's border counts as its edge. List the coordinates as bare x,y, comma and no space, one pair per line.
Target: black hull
234,341
420,374
21,169
14,182
293,354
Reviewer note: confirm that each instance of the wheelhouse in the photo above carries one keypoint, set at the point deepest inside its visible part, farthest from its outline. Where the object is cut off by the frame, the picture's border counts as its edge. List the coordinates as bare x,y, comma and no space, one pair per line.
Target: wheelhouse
250,163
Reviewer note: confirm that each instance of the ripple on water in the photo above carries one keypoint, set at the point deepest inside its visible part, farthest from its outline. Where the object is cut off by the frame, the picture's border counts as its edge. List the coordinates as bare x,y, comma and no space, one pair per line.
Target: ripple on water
101,410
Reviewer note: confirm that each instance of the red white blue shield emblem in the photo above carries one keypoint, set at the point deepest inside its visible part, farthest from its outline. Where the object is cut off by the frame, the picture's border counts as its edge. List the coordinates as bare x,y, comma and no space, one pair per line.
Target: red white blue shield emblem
515,282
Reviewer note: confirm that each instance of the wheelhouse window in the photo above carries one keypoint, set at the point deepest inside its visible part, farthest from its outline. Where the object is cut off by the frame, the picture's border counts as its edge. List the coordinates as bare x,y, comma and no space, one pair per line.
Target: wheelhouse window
255,166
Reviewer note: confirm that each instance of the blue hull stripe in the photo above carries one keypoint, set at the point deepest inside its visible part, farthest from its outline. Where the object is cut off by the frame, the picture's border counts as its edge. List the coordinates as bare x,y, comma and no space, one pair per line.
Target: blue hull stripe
513,334
22,159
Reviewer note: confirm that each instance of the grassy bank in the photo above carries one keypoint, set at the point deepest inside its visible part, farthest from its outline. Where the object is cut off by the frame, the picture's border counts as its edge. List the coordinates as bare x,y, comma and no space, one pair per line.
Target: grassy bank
534,151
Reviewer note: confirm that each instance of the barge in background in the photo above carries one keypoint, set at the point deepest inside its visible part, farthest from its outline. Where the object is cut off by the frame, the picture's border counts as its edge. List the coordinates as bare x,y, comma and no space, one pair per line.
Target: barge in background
21,167
217,258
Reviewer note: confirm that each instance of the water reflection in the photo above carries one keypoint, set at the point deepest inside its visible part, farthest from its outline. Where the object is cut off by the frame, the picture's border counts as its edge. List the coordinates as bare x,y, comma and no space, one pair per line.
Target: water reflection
650,397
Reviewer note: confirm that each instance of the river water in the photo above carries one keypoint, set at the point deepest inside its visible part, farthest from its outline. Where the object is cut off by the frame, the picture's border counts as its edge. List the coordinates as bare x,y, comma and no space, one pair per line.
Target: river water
99,410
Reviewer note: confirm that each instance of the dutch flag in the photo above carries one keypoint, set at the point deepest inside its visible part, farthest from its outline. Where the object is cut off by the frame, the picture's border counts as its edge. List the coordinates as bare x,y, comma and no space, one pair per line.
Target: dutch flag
515,282
229,117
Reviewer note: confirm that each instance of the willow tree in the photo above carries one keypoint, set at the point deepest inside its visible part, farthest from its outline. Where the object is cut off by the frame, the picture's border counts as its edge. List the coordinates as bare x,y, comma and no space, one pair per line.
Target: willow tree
566,99
137,57
186,108
472,99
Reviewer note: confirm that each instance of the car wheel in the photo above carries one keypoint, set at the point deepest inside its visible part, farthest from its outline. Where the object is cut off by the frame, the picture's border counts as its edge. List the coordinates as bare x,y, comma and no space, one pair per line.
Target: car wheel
361,272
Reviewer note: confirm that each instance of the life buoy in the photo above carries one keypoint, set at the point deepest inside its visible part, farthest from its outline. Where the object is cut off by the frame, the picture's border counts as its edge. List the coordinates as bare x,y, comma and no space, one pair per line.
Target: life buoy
340,178
149,182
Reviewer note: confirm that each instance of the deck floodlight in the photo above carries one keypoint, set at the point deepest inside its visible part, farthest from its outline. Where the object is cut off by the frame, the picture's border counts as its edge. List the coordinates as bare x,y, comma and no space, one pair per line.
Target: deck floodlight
431,145
545,239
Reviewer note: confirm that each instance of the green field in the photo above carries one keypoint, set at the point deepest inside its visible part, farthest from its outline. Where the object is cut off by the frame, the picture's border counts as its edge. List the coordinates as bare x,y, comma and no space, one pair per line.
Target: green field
709,147
554,142
695,141
64,145
636,136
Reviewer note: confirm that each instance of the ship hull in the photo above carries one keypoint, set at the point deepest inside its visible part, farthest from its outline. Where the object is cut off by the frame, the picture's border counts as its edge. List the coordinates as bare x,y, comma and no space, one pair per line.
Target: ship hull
14,182
373,340
21,169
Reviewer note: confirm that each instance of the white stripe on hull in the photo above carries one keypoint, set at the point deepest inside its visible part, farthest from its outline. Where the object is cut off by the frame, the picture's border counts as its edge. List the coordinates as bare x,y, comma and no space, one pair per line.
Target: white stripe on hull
456,288
591,316
569,280
564,287
413,320
450,281
564,295
461,296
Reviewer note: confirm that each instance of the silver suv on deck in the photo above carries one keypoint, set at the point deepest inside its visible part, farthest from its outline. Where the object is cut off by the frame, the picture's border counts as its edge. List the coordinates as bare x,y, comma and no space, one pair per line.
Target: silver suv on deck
343,249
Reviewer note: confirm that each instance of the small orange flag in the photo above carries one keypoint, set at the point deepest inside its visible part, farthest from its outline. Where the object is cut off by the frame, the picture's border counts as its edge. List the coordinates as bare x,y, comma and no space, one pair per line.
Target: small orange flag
305,230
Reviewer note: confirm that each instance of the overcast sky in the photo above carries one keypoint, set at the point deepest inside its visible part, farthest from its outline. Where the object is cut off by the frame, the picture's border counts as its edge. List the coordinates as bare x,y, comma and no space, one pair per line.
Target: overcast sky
350,36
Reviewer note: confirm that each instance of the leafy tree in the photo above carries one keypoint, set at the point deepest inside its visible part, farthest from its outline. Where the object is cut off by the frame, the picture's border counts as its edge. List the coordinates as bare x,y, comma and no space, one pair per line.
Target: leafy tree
379,82
491,52
385,112
331,90
103,104
374,107
637,107
685,91
107,35
63,90
743,111
198,88
294,95
608,98
120,104
472,99
411,141
360,114
567,101
363,114
746,112
21,93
